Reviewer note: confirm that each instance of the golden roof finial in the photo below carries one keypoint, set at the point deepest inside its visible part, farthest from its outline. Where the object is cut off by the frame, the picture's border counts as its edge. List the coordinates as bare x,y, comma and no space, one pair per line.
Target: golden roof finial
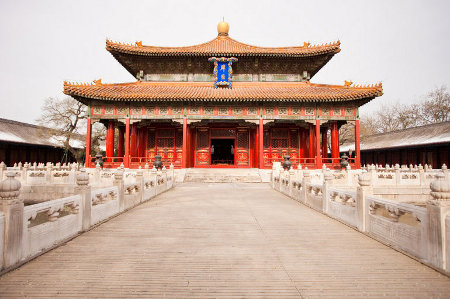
347,83
222,28
98,82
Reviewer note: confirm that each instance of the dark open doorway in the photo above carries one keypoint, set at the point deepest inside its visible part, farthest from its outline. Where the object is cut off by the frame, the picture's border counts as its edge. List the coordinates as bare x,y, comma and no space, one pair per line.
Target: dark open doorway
222,151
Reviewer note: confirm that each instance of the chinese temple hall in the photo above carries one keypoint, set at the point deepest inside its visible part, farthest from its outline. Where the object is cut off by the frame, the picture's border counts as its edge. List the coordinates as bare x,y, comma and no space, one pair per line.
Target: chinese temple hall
222,103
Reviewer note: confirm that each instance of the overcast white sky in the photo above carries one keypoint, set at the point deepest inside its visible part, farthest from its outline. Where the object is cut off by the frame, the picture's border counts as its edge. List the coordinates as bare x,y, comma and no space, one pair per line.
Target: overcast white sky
404,44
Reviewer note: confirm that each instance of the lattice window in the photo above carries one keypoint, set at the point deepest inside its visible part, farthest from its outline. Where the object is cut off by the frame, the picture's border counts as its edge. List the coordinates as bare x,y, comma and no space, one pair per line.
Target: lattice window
242,140
280,133
293,139
279,143
202,139
266,139
166,133
179,139
151,139
223,133
165,142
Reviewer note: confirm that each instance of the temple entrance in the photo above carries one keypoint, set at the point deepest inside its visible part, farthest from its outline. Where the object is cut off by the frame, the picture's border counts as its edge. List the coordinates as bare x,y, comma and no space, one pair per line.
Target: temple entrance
222,151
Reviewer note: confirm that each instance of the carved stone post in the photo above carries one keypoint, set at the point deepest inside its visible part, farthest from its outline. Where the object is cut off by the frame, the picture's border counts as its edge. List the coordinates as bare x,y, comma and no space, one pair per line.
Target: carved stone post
397,174
118,181
437,209
306,180
84,190
12,208
2,170
48,173
25,172
292,177
140,183
421,175
364,190
327,182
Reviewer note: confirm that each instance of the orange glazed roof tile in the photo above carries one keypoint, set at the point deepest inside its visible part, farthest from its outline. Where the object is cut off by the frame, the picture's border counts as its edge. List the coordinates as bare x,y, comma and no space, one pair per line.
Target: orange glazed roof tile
204,91
224,45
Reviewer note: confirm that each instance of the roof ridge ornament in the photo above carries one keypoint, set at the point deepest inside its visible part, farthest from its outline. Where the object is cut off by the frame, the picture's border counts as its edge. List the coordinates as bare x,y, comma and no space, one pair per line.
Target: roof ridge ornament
223,71
347,84
98,82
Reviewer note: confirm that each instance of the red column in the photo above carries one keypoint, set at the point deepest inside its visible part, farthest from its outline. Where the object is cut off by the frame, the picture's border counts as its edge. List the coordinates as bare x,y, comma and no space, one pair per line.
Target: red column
110,141
334,142
261,143
185,147
311,142
324,143
133,141
121,142
126,159
142,133
357,148
87,158
318,159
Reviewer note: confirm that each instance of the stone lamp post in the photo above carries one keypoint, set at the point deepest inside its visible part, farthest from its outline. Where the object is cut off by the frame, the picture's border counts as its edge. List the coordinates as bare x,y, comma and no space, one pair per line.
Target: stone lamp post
12,208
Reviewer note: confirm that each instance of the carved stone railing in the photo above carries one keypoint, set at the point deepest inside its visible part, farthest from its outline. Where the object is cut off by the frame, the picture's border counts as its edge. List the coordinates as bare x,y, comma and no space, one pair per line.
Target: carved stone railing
341,205
105,203
421,230
29,231
401,225
49,223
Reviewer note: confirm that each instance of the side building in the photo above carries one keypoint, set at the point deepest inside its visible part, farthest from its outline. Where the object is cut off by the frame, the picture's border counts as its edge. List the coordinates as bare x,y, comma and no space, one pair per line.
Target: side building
222,103
428,144
22,142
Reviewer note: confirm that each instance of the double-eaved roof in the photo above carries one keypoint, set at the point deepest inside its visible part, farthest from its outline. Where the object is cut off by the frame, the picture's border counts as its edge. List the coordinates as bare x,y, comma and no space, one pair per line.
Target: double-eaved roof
204,91
223,46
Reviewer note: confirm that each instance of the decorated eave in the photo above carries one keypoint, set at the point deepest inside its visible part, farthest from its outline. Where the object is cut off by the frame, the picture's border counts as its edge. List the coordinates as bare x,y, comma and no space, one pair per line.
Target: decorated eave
223,46
204,91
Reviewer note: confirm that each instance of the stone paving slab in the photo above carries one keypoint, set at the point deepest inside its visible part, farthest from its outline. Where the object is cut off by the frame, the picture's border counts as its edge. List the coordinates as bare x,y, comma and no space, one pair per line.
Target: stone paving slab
233,240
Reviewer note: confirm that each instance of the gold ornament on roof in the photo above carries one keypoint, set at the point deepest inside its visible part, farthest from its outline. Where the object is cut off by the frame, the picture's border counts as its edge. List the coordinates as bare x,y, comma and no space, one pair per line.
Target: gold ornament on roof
98,82
223,28
347,83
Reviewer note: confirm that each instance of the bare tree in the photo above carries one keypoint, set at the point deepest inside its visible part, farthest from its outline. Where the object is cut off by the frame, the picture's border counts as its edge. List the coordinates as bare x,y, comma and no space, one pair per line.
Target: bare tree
436,108
64,117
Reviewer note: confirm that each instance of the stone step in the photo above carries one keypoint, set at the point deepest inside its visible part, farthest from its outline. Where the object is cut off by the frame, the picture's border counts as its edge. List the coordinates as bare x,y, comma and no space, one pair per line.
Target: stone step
222,175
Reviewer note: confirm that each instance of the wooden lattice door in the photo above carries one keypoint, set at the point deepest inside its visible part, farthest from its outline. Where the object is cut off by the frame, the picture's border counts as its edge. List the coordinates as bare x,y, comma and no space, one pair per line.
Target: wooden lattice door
202,147
294,146
242,148
280,144
165,145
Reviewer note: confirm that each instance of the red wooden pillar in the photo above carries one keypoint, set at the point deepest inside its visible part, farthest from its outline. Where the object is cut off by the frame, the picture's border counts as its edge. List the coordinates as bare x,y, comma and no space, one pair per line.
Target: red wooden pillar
185,147
126,159
334,142
261,143
121,142
324,143
142,142
311,142
87,158
357,146
133,141
318,159
110,141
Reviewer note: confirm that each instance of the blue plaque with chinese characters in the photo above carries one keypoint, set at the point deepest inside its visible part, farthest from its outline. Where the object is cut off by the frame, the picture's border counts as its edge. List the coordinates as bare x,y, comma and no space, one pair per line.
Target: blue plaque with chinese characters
222,71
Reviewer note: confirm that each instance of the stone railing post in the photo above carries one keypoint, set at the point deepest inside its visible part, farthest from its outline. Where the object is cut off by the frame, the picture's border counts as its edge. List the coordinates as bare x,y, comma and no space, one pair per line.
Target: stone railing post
164,176
397,174
140,183
82,188
421,175
97,174
364,190
327,182
12,208
2,170
437,209
48,173
25,173
292,177
118,181
306,180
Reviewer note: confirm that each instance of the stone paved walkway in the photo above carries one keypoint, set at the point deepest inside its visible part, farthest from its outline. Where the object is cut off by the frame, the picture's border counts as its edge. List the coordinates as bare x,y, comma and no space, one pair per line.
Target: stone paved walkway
224,240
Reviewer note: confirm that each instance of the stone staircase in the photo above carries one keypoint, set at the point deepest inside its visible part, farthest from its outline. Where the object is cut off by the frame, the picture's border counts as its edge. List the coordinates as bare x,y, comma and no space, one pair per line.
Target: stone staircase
225,175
